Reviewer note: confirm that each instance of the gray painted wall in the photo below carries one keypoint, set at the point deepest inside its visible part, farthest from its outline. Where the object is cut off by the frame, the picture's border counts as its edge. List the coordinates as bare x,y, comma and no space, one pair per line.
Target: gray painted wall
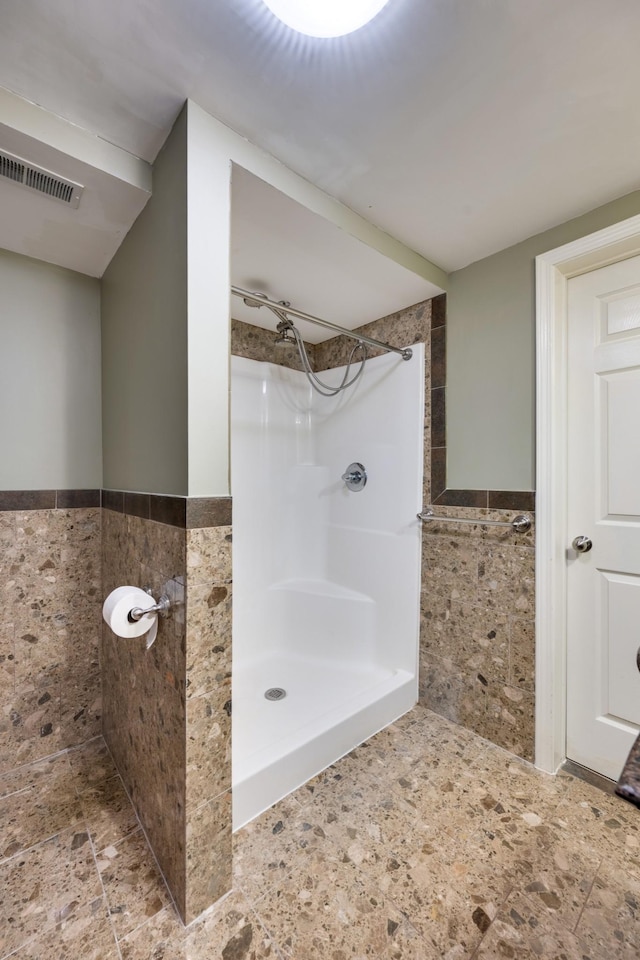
491,357
50,431
144,338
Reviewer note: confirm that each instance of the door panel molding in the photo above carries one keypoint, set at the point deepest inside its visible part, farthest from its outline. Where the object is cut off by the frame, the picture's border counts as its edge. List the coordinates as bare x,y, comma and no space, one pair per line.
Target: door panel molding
553,270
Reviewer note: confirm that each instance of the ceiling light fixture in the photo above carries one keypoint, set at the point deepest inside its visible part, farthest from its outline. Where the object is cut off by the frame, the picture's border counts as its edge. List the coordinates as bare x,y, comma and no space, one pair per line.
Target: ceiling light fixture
325,18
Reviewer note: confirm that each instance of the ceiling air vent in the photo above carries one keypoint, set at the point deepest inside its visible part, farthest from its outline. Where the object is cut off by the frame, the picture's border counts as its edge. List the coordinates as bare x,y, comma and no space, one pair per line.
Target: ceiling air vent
37,178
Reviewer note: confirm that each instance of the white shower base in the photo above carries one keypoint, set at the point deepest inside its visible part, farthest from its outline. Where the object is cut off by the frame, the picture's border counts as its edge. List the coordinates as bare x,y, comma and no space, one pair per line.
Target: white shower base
330,707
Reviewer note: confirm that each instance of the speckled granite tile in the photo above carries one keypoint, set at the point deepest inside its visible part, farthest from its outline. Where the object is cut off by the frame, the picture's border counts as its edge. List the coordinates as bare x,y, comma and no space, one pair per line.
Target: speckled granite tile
30,723
208,638
521,929
451,568
475,638
44,774
85,933
256,343
269,848
446,689
517,783
208,745
159,545
607,823
169,655
449,796
329,906
91,764
506,577
133,886
150,750
411,325
407,944
610,921
391,751
230,931
209,854
371,834
144,717
329,779
522,653
80,707
449,910
36,813
552,866
509,720
107,812
50,583
7,660
45,884
209,555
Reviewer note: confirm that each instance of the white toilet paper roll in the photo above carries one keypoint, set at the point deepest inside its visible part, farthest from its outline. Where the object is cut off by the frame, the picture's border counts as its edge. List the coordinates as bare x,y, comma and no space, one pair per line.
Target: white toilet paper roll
119,604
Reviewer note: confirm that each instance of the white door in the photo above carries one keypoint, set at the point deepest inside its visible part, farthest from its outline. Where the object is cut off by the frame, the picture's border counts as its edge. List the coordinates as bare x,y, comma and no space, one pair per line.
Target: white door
603,601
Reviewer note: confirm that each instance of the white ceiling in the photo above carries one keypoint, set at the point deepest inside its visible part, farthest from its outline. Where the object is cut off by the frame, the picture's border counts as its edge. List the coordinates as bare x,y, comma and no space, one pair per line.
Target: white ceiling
281,249
458,126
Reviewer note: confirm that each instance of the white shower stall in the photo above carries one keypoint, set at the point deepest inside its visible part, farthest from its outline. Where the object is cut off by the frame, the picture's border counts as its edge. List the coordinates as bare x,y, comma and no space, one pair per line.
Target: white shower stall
326,580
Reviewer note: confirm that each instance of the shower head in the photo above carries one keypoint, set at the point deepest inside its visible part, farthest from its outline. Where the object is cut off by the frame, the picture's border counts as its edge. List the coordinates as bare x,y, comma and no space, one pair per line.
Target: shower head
285,334
253,303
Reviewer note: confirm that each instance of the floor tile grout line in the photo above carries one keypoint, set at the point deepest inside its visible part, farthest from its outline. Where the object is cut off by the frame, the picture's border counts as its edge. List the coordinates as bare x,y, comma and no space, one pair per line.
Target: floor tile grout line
39,843
280,952
586,901
72,826
50,756
503,904
105,899
151,850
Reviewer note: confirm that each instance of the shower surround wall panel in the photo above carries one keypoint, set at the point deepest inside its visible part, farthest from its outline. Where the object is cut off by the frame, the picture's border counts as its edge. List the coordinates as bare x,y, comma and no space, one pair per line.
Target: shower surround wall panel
50,593
326,580
167,709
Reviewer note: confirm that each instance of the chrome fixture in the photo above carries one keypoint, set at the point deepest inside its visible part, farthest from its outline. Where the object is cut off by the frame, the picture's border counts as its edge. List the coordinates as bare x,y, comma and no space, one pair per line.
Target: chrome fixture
519,524
161,607
253,301
286,335
355,477
261,300
275,693
582,544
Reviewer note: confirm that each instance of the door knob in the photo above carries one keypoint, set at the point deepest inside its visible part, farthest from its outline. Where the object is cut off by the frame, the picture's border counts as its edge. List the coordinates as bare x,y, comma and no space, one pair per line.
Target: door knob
582,544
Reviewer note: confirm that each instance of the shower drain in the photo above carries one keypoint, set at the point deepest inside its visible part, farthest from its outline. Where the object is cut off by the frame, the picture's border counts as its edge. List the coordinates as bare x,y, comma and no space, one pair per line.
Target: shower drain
275,693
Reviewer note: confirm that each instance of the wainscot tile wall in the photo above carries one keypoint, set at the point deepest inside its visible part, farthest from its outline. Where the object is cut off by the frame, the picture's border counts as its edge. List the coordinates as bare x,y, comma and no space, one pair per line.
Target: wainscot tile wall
50,604
167,709
256,343
477,638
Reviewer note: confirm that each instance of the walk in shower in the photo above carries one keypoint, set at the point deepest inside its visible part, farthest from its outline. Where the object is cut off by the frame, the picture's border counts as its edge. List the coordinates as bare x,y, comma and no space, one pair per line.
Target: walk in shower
326,568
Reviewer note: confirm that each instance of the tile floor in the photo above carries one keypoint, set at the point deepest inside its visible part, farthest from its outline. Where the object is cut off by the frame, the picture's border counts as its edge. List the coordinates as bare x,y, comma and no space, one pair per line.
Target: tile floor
425,842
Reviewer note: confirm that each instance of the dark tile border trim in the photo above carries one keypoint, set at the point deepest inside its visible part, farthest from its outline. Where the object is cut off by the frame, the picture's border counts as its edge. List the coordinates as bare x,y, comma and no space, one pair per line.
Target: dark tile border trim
524,500
188,513
48,499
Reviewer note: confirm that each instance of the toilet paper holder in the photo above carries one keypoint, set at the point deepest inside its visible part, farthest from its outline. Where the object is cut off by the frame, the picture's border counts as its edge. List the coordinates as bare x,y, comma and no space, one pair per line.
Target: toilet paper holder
161,607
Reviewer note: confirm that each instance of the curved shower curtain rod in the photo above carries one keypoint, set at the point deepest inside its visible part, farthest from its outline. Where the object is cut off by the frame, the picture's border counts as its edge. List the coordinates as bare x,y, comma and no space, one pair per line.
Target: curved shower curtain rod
406,353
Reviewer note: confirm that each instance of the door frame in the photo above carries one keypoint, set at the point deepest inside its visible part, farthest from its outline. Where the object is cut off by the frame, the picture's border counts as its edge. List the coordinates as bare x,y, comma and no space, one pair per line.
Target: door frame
553,271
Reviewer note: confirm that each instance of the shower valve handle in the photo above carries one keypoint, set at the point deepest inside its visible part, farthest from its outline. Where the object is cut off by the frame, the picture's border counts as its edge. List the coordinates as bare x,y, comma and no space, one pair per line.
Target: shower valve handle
355,477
